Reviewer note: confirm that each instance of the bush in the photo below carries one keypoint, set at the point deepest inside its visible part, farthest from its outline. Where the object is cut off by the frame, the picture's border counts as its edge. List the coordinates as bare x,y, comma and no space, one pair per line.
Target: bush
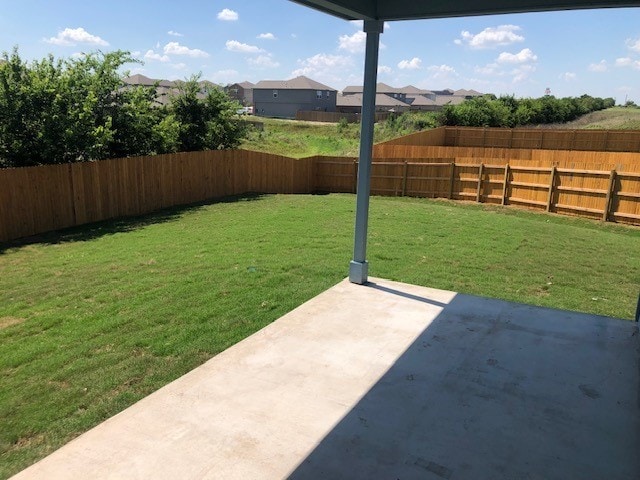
59,111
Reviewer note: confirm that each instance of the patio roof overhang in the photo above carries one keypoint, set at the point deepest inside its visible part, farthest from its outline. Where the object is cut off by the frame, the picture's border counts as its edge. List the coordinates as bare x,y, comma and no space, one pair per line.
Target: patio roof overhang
375,13
421,9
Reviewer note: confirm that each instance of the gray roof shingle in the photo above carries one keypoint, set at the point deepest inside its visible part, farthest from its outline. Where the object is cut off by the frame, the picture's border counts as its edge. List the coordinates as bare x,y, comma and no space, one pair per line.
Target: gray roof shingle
298,83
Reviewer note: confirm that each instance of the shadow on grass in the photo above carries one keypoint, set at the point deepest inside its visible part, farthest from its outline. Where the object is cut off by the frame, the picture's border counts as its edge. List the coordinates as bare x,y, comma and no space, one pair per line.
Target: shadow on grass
95,230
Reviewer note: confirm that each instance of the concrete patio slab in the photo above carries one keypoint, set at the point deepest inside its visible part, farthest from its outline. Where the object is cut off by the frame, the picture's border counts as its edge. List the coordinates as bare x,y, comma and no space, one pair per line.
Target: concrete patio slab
388,381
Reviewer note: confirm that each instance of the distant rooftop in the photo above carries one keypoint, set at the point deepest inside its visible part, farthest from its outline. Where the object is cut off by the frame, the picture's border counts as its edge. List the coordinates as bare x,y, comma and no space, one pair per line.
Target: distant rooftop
298,83
355,100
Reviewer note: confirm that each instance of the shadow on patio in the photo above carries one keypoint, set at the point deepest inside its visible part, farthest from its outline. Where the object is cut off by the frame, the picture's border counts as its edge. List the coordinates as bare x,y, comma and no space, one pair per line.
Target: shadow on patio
492,389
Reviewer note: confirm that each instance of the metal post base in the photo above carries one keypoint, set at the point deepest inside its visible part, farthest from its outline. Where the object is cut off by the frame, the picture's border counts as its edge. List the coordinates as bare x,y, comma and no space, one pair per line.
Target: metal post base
358,272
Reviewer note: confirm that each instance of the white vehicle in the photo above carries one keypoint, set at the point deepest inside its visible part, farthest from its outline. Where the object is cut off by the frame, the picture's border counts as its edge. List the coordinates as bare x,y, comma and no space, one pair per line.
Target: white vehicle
245,111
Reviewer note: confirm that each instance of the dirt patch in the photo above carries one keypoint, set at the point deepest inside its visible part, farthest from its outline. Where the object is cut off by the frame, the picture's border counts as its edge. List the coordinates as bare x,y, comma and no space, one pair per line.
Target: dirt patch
26,442
6,322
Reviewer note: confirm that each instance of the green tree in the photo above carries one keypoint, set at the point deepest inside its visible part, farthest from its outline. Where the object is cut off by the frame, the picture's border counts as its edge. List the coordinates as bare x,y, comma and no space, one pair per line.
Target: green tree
207,118
67,110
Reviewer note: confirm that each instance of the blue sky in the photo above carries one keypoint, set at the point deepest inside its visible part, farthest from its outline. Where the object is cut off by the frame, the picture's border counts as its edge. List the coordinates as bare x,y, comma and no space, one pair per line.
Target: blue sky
595,52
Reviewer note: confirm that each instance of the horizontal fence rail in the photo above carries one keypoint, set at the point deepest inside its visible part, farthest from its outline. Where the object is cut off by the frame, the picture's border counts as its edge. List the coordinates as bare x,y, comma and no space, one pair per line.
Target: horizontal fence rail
36,200
600,194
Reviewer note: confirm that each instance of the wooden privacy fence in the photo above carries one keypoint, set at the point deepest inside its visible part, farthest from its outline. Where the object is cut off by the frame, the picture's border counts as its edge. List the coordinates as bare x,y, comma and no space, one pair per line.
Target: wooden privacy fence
605,195
525,138
35,200
624,161
40,199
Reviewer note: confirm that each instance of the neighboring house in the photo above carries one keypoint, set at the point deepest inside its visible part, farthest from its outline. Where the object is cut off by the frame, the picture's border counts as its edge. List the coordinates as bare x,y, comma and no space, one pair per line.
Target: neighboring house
416,98
165,89
284,98
241,92
381,88
352,103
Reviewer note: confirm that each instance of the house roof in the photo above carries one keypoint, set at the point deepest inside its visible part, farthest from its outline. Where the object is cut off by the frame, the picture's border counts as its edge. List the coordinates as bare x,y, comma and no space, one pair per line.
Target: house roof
139,79
419,100
411,90
467,93
380,88
413,10
247,84
355,100
298,83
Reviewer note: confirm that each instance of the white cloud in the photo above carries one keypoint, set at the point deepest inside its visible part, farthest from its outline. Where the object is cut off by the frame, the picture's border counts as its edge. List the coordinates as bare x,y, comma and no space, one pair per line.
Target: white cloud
175,34
266,36
523,56
489,69
235,46
178,66
598,67
522,73
384,69
174,48
323,67
151,55
413,64
634,44
136,53
353,43
73,36
227,15
567,76
628,62
442,71
263,61
624,62
491,37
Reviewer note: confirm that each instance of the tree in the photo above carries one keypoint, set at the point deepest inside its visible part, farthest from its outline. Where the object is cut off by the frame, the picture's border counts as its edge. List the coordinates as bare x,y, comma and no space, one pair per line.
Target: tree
66,110
207,118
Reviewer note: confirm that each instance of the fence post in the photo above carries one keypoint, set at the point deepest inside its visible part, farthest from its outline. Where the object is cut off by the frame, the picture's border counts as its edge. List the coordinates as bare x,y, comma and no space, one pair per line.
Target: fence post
610,192
404,179
551,185
452,179
355,176
506,180
479,182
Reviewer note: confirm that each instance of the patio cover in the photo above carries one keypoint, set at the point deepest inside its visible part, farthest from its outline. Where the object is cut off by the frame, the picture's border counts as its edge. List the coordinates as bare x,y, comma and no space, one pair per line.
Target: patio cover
375,13
420,9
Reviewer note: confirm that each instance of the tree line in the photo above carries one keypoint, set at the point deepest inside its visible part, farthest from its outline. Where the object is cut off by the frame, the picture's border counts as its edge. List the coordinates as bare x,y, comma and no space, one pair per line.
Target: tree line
79,109
508,111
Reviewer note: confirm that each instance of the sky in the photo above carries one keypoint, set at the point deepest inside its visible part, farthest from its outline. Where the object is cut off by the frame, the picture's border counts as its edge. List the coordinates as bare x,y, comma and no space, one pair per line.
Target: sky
595,52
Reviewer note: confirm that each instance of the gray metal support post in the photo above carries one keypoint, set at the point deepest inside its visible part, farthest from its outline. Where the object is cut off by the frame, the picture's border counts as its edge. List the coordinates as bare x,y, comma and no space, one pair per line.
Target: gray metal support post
359,267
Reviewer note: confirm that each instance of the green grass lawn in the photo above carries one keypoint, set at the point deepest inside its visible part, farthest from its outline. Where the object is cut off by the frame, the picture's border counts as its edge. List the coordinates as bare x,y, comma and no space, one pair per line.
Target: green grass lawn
96,318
